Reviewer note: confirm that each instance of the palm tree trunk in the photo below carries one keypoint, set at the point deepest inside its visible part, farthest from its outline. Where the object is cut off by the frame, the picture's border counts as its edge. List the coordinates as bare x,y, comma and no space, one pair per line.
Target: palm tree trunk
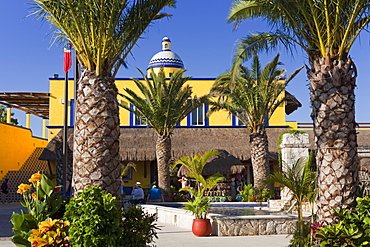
96,135
332,87
259,157
163,154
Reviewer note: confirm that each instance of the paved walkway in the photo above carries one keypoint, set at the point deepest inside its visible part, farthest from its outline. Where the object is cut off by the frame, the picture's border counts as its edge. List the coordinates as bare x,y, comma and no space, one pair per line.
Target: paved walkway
168,236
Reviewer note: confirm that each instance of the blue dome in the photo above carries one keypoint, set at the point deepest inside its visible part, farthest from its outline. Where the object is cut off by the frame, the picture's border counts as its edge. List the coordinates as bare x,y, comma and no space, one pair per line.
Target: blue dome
166,57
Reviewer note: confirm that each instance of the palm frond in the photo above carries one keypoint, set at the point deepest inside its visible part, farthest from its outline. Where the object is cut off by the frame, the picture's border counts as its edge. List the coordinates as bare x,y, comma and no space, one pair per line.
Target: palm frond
252,95
103,32
164,103
315,26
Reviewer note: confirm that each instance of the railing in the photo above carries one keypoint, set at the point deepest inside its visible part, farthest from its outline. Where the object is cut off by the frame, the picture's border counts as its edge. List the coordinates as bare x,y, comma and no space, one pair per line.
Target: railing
310,125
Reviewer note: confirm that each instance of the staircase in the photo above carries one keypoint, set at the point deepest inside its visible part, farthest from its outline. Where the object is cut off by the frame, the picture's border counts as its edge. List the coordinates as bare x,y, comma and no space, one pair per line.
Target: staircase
31,166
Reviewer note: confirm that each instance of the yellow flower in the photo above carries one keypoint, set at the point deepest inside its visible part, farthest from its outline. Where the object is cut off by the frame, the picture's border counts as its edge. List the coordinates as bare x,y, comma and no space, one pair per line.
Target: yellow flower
35,232
34,196
46,225
37,241
35,177
22,188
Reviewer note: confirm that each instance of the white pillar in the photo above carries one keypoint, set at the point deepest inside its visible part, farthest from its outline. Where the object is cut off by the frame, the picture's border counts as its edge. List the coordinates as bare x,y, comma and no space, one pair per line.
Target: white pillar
44,128
293,147
28,120
8,115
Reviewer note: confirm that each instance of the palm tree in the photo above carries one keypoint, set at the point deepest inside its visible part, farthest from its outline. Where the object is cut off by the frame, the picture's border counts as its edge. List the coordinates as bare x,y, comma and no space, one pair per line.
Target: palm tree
103,33
326,31
200,204
195,165
300,180
252,96
163,105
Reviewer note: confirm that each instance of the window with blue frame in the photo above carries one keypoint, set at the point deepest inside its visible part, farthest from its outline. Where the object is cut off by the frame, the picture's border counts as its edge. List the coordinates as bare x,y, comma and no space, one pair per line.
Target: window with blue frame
198,116
136,120
236,121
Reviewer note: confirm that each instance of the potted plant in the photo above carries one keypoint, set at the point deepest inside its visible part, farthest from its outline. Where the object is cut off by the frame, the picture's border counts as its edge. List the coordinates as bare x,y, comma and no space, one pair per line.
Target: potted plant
199,204
199,207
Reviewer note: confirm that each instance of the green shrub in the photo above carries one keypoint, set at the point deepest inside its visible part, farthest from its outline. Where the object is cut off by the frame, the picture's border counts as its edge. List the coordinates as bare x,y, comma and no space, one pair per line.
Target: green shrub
247,193
349,228
95,219
138,228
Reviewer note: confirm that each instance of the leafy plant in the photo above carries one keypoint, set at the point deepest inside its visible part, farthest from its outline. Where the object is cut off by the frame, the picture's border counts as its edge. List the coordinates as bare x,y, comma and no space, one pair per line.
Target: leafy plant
95,219
42,200
349,228
199,204
139,228
247,193
300,180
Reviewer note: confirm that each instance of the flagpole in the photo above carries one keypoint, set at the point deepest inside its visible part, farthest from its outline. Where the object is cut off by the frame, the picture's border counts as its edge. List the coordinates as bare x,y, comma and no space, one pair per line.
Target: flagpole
65,136
67,66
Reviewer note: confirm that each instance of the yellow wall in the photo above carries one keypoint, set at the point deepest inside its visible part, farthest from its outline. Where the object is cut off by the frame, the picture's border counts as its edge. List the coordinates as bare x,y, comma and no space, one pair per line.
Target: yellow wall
56,115
200,87
142,174
17,144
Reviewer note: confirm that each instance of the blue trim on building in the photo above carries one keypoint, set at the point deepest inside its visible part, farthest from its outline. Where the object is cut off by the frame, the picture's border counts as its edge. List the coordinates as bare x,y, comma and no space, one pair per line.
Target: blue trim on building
130,78
205,115
131,123
72,113
61,78
210,127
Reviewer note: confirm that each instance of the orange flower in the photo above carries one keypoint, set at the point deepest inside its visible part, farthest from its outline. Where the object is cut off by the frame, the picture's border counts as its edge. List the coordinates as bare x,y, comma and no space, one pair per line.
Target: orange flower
34,196
37,241
35,177
46,225
22,188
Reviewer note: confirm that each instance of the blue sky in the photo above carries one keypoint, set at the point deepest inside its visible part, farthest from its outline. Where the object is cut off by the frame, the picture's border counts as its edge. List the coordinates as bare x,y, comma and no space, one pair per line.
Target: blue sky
199,33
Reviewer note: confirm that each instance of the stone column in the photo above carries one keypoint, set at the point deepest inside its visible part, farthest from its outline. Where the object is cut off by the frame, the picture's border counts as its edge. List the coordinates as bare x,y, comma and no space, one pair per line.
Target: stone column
293,147
8,115
28,120
44,128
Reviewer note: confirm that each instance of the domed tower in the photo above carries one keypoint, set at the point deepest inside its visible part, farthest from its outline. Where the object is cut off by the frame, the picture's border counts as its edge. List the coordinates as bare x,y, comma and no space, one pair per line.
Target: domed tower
166,58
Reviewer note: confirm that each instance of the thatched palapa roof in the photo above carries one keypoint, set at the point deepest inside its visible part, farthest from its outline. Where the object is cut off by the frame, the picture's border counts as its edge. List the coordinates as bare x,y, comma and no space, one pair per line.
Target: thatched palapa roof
138,144
224,163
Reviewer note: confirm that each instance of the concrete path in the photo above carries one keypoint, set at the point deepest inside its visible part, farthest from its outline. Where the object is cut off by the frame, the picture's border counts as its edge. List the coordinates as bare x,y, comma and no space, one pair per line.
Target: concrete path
168,236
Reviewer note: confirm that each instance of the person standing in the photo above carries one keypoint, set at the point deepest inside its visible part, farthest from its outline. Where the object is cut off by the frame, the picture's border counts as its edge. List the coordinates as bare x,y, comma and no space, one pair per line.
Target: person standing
155,195
137,194
5,189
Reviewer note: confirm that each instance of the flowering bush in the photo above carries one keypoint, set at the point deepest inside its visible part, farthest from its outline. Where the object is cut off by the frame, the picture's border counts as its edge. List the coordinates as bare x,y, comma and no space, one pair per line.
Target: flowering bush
42,202
51,233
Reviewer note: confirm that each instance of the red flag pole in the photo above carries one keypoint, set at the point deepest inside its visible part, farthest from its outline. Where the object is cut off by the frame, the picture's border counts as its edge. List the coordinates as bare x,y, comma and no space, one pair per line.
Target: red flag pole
67,66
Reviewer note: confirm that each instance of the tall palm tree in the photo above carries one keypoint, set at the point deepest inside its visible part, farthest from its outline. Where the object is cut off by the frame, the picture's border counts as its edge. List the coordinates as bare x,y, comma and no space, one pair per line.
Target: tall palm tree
326,31
163,105
103,33
300,180
252,96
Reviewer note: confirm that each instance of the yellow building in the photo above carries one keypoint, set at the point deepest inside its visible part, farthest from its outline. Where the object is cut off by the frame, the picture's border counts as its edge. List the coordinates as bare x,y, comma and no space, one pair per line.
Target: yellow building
139,152
171,62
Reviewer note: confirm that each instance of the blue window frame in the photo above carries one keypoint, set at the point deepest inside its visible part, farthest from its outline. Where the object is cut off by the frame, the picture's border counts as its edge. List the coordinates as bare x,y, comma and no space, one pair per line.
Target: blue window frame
198,116
236,122
137,120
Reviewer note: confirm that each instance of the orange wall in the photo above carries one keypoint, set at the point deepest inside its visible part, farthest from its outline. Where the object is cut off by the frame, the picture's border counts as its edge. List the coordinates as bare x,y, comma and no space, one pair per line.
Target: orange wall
17,144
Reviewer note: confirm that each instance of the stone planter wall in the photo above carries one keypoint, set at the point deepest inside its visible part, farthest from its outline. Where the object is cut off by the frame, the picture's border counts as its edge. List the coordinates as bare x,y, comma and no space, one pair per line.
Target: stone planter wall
254,225
227,225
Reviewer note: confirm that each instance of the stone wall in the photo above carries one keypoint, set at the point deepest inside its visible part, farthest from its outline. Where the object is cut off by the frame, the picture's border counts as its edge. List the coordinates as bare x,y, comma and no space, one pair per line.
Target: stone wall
253,225
227,225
